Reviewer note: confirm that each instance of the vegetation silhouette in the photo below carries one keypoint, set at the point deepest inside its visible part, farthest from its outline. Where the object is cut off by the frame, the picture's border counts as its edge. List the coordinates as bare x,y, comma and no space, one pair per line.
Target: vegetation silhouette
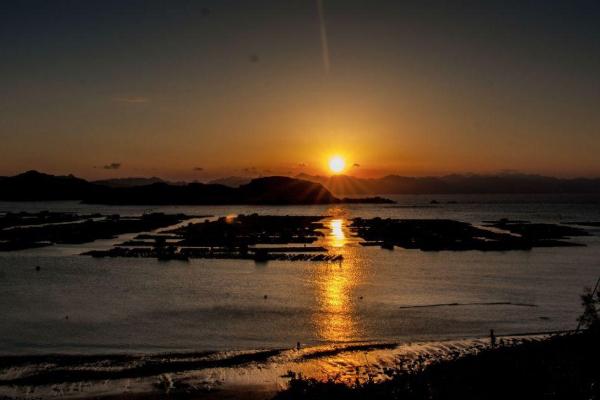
564,367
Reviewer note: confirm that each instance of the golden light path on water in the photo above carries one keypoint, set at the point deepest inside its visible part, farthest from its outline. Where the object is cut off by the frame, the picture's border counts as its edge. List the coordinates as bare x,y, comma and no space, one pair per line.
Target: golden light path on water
335,283
337,234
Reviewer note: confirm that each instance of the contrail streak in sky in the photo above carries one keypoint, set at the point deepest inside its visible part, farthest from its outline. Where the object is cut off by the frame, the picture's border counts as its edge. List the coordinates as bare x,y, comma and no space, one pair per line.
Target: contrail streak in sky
324,45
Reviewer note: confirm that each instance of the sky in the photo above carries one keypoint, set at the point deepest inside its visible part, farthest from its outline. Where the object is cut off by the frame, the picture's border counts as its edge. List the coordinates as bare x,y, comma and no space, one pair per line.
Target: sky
193,90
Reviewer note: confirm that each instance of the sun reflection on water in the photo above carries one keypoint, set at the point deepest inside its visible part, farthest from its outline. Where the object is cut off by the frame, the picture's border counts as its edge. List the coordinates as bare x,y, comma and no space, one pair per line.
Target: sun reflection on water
337,235
335,319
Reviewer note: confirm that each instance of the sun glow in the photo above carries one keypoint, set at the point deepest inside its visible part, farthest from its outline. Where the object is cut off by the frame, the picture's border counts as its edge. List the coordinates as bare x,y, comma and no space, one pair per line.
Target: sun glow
337,164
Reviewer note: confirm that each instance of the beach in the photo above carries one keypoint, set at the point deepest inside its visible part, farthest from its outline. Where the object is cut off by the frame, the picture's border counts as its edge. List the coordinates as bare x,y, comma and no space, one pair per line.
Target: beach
204,375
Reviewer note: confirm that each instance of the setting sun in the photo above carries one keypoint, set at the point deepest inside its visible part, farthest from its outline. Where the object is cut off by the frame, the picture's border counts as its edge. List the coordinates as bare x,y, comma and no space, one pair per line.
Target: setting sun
337,164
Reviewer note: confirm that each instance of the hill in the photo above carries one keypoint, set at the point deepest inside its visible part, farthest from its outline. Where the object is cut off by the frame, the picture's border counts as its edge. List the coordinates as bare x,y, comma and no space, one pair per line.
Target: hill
456,184
36,186
231,181
128,182
271,190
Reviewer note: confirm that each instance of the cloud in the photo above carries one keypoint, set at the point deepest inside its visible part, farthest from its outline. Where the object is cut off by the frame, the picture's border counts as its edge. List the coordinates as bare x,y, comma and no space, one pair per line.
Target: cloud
199,169
112,166
356,165
302,165
131,99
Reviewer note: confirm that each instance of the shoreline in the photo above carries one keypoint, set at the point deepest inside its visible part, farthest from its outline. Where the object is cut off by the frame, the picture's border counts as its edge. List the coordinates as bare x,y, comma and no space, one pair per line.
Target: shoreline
559,367
215,375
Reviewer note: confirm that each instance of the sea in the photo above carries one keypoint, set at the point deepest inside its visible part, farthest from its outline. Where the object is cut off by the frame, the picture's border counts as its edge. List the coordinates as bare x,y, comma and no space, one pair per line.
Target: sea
81,305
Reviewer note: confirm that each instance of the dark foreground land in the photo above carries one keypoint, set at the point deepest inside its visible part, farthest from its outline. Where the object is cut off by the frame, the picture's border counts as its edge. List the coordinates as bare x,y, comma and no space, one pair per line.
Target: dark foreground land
563,367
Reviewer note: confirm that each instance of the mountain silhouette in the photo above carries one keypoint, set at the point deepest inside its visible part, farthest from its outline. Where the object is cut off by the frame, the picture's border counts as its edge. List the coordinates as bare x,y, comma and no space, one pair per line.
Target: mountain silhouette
285,190
303,189
36,186
456,184
271,190
231,181
128,182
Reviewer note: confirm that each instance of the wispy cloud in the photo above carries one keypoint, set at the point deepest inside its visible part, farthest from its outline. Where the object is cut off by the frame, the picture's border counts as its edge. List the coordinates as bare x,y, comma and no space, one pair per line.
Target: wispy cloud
199,169
356,165
131,99
111,166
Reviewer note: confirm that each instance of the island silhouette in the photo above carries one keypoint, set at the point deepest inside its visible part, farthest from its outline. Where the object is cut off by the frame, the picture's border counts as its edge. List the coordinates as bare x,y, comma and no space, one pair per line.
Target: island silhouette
278,190
274,190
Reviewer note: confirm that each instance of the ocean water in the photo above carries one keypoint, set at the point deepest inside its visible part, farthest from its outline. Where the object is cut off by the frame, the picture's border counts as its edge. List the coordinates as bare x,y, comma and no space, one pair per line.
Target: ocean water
143,305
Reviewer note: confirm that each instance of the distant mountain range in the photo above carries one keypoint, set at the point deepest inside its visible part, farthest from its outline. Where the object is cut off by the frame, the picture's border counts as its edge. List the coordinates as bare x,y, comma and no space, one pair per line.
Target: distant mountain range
36,186
231,181
455,184
303,189
129,182
272,190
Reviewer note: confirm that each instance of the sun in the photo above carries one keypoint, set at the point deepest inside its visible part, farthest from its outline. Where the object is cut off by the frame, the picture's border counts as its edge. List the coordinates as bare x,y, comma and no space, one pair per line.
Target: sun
337,164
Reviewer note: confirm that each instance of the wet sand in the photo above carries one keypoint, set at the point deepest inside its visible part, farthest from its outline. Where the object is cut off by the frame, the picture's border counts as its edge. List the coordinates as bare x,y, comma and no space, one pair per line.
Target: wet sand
221,375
